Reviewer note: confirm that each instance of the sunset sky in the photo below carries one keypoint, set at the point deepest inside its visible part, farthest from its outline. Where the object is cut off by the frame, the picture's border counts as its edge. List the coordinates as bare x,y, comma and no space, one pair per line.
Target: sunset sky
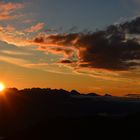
87,45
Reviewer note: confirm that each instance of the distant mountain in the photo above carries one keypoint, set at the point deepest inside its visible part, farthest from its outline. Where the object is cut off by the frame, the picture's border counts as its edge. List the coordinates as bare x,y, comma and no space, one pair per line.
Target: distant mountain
133,95
41,114
93,94
74,92
107,95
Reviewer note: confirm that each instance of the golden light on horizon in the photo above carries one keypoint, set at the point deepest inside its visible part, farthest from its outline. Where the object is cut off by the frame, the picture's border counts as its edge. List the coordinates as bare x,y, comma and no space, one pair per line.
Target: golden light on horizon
2,87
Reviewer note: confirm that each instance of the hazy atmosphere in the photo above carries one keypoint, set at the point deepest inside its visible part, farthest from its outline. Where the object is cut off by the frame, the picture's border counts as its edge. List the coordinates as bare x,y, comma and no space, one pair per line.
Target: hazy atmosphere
90,46
69,69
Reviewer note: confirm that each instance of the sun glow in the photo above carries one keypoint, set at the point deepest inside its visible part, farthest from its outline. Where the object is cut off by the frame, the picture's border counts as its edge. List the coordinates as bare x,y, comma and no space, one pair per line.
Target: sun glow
2,87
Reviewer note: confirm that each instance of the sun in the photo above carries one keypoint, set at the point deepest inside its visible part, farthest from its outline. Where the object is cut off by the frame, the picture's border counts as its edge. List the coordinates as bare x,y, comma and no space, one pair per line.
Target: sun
2,87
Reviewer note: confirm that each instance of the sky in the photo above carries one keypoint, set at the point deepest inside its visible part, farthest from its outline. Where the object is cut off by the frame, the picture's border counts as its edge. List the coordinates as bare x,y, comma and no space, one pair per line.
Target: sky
87,45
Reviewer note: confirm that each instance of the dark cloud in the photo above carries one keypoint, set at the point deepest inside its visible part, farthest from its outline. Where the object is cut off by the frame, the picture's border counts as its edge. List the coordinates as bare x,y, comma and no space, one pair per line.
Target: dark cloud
132,27
108,49
39,39
66,61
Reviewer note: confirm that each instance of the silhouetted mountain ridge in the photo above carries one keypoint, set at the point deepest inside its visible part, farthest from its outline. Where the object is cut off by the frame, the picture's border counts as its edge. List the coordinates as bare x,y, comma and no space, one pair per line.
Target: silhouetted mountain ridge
47,91
59,114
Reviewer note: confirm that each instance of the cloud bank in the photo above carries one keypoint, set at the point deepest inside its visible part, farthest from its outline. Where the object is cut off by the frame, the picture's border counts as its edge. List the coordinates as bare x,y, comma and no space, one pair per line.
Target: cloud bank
116,48
110,49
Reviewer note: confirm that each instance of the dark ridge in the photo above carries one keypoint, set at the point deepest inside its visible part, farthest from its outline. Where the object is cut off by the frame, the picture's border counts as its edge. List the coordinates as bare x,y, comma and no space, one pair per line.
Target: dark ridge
108,95
93,94
74,92
40,114
133,95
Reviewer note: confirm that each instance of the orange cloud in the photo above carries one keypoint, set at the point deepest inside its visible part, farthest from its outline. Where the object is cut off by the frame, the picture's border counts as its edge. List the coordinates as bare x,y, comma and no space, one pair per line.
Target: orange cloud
35,28
28,21
10,28
7,9
10,36
103,54
18,40
15,61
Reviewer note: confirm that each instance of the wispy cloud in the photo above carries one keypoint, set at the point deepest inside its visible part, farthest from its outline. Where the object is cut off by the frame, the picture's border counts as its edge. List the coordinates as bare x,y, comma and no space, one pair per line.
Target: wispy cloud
15,61
35,28
15,53
7,10
12,36
36,65
106,50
